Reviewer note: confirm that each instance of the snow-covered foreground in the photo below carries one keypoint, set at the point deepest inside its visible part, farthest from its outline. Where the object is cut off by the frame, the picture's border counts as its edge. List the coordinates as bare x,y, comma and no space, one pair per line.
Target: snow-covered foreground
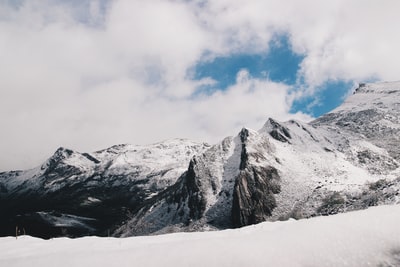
363,238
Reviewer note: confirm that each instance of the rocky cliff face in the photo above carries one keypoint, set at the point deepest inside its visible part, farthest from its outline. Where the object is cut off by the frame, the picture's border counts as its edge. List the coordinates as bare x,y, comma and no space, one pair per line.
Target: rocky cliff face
255,186
347,159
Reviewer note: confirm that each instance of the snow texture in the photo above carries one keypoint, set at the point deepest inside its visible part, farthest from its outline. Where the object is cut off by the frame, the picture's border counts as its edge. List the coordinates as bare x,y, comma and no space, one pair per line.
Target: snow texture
357,239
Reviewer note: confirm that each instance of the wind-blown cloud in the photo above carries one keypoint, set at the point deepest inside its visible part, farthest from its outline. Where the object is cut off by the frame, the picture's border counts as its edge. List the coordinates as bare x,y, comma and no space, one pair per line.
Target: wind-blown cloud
90,74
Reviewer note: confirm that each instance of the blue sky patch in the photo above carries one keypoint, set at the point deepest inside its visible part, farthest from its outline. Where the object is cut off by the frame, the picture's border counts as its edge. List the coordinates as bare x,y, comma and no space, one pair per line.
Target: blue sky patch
279,64
327,98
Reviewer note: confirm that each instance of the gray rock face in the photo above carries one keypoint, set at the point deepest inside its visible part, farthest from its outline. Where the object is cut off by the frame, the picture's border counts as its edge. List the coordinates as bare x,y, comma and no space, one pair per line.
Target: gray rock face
253,195
277,131
242,197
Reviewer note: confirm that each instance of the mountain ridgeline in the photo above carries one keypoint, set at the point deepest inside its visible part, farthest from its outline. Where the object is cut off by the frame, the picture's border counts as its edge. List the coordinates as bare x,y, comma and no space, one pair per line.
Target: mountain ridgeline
345,160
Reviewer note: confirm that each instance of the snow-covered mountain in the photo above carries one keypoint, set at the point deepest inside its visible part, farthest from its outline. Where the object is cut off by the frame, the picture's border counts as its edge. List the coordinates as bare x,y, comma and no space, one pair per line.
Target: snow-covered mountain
345,160
90,193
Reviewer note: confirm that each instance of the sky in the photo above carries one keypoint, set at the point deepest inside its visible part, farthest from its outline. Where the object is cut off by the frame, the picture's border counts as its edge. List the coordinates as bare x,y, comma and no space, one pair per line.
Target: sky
88,74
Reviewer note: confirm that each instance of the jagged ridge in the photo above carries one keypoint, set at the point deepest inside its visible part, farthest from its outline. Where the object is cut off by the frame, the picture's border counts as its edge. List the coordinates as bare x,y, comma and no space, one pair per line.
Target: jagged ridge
345,160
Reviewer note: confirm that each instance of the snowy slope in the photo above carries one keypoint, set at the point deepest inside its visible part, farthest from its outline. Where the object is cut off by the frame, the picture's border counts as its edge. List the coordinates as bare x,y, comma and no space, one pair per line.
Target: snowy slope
358,239
286,169
372,113
165,161
98,188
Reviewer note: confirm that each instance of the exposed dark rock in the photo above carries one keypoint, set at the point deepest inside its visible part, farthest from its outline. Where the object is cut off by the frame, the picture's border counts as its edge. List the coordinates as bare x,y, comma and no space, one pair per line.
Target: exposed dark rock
278,132
332,204
244,134
196,200
181,203
253,195
91,158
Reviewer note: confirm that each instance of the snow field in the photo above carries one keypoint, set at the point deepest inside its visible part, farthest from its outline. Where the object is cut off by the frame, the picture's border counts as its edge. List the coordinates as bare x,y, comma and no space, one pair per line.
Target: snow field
362,238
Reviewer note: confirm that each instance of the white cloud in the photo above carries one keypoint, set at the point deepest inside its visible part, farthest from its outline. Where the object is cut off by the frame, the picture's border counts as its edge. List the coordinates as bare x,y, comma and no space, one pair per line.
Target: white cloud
87,79
351,40
339,39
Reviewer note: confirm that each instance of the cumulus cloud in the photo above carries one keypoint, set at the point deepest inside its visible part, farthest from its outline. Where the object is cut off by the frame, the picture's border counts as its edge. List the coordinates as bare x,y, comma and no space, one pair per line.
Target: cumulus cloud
90,74
339,39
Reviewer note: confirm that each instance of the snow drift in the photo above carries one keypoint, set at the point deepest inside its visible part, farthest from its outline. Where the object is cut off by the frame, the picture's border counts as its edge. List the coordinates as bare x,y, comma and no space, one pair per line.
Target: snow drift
362,238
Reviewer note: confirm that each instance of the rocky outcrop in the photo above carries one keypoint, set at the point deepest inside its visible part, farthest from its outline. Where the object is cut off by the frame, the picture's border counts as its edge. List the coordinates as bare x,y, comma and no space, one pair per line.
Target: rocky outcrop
243,195
277,131
253,195
255,186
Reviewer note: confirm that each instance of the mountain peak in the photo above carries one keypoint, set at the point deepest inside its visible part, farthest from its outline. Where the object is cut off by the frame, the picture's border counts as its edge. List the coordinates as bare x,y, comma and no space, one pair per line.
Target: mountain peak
347,159
277,130
60,154
381,97
378,88
63,150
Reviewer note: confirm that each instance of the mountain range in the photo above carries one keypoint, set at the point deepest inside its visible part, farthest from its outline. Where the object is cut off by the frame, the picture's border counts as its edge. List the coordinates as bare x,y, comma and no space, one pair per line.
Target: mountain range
348,159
